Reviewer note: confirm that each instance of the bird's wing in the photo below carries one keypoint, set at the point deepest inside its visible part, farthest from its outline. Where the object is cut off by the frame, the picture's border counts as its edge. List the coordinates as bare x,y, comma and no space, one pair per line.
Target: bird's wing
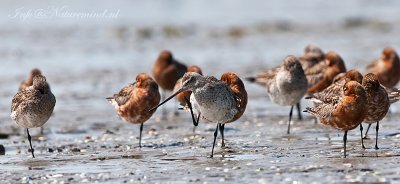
123,96
331,93
321,110
264,78
22,98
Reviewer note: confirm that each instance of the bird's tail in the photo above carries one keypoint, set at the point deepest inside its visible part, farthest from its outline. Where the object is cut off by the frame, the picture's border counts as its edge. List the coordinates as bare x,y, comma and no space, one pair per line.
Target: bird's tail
394,97
250,79
110,99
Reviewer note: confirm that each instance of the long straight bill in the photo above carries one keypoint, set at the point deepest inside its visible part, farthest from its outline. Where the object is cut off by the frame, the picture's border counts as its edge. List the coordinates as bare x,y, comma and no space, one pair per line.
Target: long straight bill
169,98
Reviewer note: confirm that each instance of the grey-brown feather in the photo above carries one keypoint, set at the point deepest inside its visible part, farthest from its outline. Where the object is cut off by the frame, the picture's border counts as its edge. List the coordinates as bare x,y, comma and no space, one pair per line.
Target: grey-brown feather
124,94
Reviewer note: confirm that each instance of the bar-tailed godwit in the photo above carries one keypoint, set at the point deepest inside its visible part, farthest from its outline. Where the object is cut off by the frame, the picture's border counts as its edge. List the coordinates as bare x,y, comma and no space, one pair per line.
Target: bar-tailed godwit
210,97
166,71
33,106
344,114
29,82
286,84
184,97
335,91
133,102
387,68
378,103
321,75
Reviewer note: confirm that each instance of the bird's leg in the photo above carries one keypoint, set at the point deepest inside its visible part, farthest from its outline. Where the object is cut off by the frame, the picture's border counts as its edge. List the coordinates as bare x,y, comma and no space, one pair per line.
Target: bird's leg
344,142
366,132
362,140
221,130
140,135
215,137
197,120
191,112
377,129
30,142
299,111
164,110
290,119
41,131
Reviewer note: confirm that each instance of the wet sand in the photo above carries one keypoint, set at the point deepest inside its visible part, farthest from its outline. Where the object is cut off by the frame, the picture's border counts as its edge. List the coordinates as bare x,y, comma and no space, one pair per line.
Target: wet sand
84,63
92,148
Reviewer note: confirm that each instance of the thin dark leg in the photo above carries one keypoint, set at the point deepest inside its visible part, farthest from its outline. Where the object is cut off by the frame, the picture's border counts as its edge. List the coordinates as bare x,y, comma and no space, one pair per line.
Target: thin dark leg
140,135
221,130
191,112
41,130
290,119
366,132
299,111
344,141
197,120
215,137
164,110
362,140
30,142
377,129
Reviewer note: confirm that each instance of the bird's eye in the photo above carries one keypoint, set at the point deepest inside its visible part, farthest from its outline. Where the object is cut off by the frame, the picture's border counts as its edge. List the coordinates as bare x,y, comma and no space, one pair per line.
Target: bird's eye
189,80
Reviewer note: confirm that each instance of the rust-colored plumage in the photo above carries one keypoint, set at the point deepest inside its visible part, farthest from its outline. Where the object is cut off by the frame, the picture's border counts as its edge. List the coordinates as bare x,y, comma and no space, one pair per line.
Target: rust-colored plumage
166,70
134,101
29,81
322,74
334,91
346,113
237,87
387,68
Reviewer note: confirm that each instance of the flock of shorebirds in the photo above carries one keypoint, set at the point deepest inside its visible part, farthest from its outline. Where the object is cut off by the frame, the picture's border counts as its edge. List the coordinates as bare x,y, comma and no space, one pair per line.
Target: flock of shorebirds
342,99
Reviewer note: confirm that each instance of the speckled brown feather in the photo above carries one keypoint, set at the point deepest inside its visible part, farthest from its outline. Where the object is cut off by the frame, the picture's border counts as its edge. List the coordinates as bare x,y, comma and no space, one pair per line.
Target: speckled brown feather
142,97
123,96
321,75
33,106
237,87
166,70
345,114
387,68
334,91
378,100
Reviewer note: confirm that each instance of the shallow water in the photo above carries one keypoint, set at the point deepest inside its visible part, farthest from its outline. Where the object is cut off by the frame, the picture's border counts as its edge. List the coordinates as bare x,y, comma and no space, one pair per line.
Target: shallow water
86,60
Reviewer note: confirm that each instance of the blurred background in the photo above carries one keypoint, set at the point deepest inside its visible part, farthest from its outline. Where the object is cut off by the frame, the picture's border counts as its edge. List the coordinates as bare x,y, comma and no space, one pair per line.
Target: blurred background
90,49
